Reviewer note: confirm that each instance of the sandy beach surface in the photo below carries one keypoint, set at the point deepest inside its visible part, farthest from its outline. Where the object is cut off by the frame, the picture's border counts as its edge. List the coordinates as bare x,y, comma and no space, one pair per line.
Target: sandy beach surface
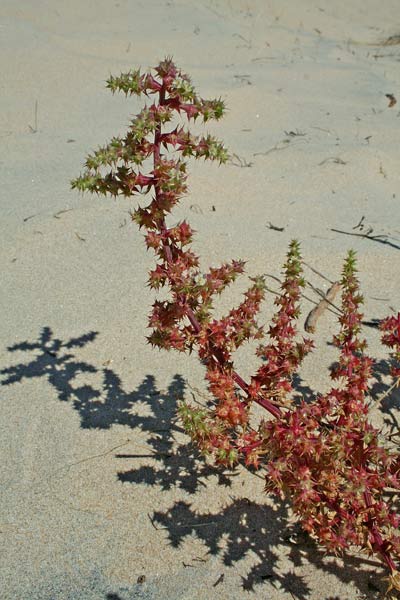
102,497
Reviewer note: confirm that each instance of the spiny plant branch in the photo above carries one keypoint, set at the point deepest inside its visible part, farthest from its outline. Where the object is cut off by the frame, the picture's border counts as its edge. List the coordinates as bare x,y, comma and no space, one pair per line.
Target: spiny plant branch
323,455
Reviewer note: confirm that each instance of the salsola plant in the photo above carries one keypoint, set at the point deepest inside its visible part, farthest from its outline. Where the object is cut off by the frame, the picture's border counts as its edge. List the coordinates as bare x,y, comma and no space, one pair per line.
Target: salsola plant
323,455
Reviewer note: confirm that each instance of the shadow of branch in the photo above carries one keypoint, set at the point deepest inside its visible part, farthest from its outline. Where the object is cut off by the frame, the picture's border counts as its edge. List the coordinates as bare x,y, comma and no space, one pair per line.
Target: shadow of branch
241,528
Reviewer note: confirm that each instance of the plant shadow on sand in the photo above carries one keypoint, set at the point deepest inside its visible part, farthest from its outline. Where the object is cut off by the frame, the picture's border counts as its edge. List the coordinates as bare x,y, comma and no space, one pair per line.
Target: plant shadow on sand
241,527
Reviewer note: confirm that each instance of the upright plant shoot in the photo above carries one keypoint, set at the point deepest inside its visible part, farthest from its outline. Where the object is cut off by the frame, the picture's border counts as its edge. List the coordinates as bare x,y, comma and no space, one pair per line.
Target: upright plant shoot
323,455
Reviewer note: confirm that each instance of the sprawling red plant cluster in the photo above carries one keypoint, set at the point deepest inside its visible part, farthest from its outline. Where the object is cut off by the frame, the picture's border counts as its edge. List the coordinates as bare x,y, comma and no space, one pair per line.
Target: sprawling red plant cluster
324,455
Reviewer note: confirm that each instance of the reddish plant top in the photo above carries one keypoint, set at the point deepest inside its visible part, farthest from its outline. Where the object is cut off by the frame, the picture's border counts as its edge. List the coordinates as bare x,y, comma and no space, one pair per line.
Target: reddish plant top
324,455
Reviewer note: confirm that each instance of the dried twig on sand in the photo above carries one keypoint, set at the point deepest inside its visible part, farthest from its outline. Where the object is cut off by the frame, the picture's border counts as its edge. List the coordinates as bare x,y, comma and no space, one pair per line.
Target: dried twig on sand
316,312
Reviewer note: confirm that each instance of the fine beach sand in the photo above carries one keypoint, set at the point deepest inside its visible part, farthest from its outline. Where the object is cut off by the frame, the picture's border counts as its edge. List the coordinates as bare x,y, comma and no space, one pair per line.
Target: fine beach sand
102,498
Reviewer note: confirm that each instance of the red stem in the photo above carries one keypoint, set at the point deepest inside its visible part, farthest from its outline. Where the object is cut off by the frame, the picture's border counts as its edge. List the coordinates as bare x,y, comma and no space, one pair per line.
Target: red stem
378,543
264,402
